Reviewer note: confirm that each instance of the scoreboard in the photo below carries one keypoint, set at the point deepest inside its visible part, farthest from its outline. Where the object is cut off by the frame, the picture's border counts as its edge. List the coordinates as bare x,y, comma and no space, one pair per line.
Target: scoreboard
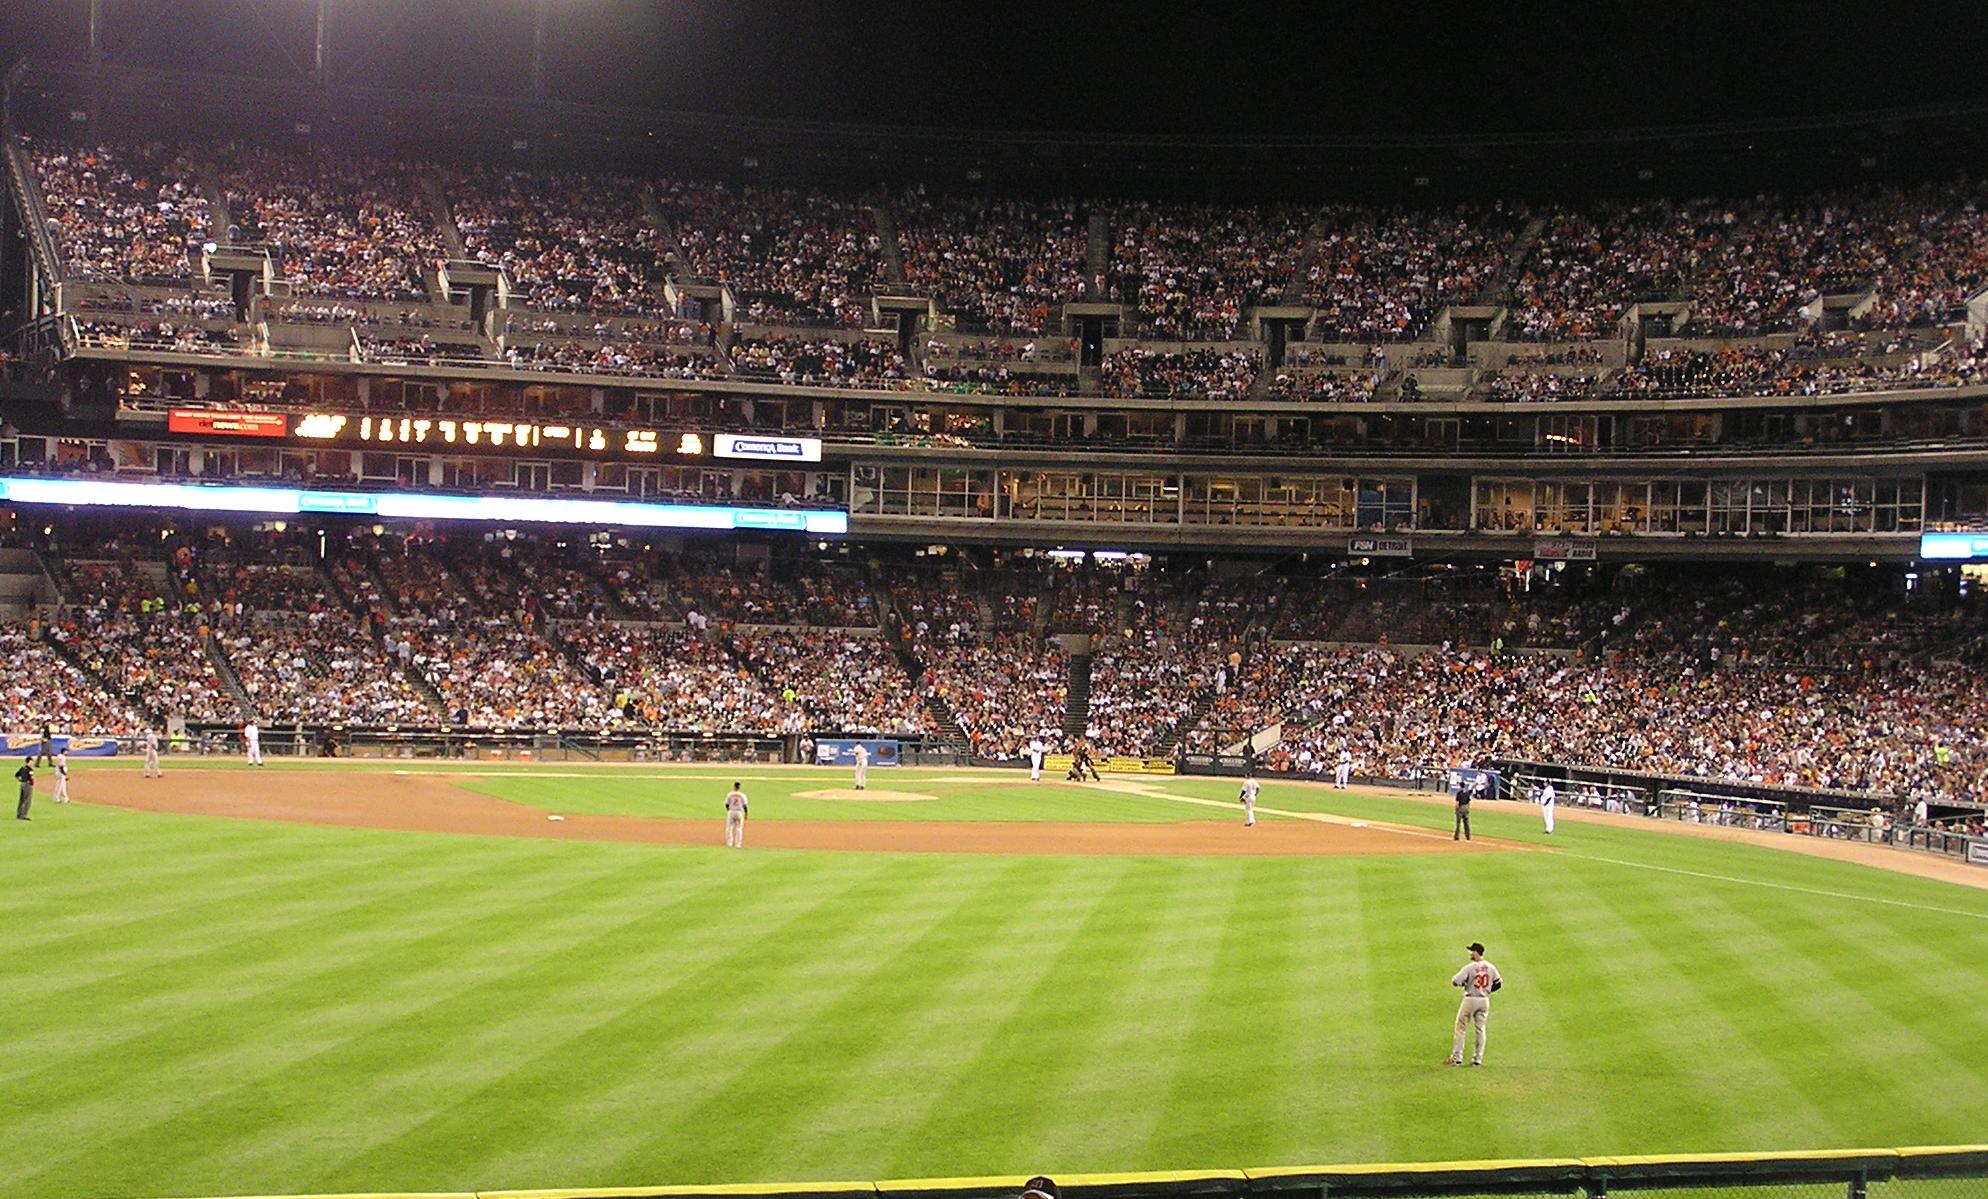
587,438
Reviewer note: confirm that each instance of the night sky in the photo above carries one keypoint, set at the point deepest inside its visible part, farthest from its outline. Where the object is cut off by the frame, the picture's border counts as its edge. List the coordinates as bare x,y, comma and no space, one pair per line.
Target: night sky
1201,69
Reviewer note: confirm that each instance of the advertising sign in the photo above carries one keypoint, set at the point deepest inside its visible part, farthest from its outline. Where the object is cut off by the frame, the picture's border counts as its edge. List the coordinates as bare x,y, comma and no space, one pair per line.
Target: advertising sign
1381,547
841,751
1565,549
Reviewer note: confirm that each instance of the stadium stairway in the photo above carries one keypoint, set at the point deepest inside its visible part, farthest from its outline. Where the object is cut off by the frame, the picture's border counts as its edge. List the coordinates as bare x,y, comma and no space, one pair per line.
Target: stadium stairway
673,256
438,208
1077,699
938,709
1097,253
1169,738
1301,277
1498,289
887,234
218,217
225,670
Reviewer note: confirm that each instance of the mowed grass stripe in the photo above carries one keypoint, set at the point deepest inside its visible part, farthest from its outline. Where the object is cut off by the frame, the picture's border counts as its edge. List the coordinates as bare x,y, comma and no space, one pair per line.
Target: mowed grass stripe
560,1012
1872,1020
1759,1029
846,1027
1221,1050
645,1033
221,1068
905,1030
1026,1041
176,938
675,1143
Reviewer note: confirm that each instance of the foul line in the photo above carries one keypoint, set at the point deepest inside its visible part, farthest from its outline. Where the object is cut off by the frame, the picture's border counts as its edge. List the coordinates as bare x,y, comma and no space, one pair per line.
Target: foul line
1761,882
1317,817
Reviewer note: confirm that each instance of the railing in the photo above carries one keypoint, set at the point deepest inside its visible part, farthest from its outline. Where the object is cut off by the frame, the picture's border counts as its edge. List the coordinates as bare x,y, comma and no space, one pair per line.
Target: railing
1947,1172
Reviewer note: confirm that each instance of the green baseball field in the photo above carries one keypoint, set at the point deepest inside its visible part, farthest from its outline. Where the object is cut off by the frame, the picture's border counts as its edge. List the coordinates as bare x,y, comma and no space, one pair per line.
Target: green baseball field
351,979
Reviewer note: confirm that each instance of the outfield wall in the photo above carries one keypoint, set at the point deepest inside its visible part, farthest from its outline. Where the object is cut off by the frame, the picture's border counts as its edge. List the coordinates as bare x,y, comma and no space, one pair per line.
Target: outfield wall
1942,1172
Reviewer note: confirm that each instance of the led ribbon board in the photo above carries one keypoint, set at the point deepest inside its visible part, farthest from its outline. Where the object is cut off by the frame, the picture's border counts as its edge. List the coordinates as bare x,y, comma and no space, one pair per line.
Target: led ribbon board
1953,547
292,501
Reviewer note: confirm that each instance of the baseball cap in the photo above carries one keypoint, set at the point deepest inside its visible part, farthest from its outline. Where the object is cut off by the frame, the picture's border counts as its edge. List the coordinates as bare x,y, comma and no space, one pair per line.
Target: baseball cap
1475,947
1039,1187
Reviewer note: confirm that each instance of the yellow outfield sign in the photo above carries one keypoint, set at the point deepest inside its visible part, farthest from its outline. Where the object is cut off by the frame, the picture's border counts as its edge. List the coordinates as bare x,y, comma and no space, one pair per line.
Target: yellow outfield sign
1060,764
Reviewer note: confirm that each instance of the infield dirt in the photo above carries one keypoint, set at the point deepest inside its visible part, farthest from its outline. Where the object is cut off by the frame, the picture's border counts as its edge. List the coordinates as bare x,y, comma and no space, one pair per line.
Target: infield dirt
433,804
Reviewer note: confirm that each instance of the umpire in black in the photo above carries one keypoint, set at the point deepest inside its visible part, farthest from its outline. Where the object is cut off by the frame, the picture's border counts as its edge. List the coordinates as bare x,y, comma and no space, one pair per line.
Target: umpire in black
1463,798
27,776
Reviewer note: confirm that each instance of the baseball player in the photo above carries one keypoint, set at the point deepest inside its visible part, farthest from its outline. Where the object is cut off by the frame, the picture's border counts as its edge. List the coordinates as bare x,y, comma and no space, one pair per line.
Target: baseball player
862,766
1547,796
151,743
27,776
1036,751
1344,770
62,776
1478,978
1462,828
735,818
252,742
1249,789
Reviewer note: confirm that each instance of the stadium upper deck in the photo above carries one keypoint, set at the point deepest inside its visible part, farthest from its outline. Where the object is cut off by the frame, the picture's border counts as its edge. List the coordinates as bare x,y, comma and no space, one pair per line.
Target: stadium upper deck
1792,367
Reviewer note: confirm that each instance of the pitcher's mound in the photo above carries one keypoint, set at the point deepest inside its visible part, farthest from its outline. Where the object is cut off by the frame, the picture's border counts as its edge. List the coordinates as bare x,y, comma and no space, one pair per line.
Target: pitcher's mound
868,796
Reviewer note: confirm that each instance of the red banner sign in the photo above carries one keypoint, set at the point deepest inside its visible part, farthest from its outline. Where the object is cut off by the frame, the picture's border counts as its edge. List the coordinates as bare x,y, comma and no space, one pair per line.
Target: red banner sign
229,424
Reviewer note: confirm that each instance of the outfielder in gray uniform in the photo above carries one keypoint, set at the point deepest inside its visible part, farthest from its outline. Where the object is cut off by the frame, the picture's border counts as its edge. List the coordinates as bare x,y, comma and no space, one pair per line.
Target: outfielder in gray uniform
1478,978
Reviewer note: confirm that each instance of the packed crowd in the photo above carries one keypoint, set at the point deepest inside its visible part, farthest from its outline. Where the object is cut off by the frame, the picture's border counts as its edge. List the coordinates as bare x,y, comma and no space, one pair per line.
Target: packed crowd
567,240
1193,270
43,689
124,623
823,596
131,213
341,225
835,680
1384,276
1002,692
610,358
791,257
1586,268
1000,266
353,226
822,362
1192,374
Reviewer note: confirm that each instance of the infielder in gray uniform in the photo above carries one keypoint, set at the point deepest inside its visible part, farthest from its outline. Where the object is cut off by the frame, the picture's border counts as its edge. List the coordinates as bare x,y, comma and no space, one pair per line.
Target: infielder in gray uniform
1478,978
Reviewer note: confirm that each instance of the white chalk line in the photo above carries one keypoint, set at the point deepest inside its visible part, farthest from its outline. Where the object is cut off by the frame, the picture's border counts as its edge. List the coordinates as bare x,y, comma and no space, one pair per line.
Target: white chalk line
1148,789
1761,882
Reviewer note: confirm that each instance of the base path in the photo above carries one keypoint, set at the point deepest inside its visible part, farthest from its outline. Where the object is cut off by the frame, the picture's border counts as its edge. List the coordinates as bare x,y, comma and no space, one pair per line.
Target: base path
434,804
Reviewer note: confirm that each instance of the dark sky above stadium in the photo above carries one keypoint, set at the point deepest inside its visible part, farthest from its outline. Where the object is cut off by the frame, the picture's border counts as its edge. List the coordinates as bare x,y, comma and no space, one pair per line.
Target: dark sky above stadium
1289,68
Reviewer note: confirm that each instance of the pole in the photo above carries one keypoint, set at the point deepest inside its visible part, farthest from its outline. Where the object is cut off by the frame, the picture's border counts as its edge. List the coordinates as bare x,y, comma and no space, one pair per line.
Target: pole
538,49
96,33
321,69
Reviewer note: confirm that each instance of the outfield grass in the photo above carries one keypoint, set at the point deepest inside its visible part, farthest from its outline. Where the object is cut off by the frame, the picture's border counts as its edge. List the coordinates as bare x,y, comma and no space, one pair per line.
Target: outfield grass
205,1006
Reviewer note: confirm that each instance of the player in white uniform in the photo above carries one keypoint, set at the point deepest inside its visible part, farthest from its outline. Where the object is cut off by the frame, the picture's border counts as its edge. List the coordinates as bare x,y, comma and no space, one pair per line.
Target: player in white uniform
1344,770
1249,790
1036,752
862,766
152,768
1547,797
1478,978
62,776
735,818
252,742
